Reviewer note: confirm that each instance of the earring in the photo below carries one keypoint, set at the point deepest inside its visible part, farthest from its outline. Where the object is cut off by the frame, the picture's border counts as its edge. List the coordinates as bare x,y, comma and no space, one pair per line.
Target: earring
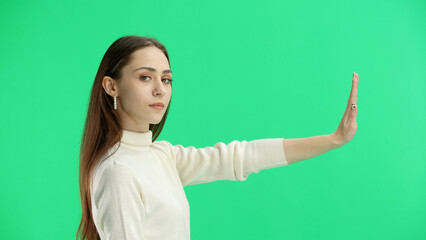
115,102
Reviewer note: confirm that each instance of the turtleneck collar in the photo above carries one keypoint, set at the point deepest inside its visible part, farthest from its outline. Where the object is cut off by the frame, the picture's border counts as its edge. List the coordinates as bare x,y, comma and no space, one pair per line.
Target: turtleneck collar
138,139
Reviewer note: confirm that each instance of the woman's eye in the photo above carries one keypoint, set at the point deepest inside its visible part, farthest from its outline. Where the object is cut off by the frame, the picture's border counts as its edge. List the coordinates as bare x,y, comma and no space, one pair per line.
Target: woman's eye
167,79
143,76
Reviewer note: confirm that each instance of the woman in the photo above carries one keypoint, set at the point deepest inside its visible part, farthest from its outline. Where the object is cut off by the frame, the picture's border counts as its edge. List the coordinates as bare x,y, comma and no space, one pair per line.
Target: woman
131,186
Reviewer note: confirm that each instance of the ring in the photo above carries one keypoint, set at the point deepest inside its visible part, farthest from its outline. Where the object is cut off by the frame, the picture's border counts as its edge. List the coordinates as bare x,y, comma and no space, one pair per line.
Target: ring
353,106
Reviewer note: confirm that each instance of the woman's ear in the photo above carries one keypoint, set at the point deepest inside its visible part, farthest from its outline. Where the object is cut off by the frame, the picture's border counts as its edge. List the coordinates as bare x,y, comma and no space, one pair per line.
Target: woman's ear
110,86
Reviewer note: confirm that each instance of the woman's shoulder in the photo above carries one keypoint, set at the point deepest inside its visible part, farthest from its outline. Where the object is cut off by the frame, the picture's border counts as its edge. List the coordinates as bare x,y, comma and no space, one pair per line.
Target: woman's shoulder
112,172
162,145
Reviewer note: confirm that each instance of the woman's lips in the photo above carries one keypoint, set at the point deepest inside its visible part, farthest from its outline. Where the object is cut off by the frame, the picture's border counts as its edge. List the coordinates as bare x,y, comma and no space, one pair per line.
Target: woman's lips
156,107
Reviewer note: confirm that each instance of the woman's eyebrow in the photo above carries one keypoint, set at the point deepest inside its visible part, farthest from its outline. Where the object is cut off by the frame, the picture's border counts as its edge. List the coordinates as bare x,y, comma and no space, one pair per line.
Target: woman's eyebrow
153,69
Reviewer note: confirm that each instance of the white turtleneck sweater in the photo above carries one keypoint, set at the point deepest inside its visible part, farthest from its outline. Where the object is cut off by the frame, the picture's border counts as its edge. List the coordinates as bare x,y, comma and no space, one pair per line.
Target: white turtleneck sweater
137,193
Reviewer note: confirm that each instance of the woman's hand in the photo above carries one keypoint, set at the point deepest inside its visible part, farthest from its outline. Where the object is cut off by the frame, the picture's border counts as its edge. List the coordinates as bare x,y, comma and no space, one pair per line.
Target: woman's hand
347,127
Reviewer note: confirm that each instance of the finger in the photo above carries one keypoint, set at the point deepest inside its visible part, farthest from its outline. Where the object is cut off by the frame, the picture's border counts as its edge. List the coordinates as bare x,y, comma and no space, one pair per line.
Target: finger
352,97
354,90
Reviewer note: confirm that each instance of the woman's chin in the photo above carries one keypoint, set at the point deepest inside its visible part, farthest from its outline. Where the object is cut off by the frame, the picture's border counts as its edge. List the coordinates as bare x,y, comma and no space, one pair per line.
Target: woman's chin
156,122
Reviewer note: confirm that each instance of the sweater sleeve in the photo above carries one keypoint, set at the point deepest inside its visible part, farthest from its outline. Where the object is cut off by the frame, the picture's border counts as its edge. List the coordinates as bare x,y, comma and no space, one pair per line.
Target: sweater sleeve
121,211
233,161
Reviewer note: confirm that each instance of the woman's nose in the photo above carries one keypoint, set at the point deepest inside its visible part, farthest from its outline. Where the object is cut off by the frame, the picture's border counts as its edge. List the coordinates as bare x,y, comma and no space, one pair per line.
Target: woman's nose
159,87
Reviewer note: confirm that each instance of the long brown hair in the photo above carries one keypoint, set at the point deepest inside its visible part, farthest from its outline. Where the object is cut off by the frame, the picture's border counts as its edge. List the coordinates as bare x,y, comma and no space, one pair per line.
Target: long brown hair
102,128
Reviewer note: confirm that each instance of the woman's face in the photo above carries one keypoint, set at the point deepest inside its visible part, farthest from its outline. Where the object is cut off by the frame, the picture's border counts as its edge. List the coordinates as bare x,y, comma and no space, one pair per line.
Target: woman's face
139,87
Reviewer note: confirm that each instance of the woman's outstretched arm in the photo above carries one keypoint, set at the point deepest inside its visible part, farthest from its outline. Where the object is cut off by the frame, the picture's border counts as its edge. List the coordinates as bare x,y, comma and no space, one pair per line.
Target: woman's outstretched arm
303,148
299,149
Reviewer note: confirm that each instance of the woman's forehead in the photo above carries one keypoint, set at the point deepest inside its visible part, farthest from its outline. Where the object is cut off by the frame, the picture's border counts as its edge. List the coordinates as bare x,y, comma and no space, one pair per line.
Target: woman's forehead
150,57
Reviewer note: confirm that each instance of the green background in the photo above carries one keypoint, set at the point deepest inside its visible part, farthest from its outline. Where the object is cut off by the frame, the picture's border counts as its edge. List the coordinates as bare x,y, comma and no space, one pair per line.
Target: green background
242,71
